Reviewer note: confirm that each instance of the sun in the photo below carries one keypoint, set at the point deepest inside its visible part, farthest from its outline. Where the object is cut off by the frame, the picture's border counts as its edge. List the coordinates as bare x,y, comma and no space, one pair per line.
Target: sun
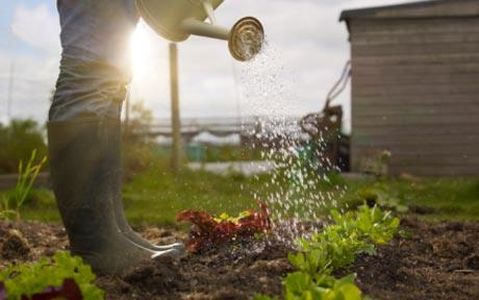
140,44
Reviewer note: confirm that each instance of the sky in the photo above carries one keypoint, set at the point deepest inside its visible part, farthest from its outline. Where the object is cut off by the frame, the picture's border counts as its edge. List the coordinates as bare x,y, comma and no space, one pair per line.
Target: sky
307,49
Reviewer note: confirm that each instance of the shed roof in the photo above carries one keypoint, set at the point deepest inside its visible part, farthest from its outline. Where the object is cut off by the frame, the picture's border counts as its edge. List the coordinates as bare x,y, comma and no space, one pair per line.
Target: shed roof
415,10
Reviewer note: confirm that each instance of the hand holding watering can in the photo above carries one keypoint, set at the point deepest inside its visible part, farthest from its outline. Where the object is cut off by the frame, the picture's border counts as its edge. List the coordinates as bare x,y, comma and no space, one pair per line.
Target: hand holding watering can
176,20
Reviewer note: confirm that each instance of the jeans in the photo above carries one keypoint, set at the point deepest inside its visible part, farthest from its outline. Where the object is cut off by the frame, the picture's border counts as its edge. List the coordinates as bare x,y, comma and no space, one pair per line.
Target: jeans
95,63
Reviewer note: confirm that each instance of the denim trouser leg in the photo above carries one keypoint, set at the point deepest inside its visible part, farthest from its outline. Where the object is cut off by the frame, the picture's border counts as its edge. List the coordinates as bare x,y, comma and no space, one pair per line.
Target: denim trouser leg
94,69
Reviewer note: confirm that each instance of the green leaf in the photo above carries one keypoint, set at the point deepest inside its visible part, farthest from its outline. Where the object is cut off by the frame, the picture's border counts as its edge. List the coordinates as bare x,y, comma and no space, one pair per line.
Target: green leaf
298,282
349,291
30,278
335,247
297,260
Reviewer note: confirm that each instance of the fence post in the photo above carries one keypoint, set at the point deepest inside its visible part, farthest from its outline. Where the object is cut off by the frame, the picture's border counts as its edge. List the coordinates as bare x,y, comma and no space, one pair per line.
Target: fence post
175,110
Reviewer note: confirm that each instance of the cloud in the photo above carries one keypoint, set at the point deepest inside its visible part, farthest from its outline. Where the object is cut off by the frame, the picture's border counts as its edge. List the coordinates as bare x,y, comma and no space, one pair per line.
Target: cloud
309,48
308,41
38,27
34,68
33,81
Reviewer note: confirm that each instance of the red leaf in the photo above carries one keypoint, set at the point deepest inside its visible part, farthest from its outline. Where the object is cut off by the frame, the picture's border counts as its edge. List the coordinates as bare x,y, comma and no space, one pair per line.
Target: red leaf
206,231
3,291
200,218
68,291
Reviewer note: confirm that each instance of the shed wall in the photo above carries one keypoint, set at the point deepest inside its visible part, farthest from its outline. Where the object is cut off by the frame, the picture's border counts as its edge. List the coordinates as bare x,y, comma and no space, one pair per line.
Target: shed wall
415,92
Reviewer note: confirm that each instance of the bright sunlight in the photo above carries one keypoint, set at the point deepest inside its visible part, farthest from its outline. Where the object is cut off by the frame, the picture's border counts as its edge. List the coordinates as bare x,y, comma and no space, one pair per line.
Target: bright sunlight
140,47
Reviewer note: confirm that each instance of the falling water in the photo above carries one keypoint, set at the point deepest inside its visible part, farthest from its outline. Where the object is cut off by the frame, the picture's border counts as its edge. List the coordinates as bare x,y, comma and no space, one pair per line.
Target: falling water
296,200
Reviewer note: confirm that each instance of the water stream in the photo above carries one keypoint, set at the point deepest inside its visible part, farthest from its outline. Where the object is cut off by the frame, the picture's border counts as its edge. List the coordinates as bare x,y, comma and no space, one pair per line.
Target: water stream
300,187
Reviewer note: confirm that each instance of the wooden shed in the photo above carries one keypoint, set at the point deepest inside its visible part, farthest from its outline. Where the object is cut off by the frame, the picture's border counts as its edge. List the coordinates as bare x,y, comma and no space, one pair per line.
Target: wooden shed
415,86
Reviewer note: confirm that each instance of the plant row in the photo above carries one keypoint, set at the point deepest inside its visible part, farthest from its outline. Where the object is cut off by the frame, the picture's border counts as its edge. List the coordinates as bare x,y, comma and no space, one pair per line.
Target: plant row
334,248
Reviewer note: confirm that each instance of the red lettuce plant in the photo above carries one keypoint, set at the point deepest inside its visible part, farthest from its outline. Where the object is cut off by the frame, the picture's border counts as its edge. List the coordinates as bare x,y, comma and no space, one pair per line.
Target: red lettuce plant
68,291
209,231
3,291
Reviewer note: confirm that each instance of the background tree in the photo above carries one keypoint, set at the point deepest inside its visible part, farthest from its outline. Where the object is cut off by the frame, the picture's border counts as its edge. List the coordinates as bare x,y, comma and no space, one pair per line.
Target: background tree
17,141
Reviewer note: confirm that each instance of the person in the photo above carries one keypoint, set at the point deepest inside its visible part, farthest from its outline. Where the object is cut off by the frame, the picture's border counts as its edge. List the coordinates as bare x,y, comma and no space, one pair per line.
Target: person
84,134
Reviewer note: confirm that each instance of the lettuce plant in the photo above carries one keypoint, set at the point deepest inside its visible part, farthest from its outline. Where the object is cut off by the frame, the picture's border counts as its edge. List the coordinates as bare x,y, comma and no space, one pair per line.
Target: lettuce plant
63,275
337,246
214,231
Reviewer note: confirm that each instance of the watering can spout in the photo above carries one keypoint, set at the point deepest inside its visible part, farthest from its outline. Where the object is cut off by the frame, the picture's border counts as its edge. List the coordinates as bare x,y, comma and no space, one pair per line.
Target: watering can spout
176,20
195,27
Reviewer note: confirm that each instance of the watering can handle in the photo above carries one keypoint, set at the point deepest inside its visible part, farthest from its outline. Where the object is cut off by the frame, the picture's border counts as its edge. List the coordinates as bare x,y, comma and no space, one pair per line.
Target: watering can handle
210,11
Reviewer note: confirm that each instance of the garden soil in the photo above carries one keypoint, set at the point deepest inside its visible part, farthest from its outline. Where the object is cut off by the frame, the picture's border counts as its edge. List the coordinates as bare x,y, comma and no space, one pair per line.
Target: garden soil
430,261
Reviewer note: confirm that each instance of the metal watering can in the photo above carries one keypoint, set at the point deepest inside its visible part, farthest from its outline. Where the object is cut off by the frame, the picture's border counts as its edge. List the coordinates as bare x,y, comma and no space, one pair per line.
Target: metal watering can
176,20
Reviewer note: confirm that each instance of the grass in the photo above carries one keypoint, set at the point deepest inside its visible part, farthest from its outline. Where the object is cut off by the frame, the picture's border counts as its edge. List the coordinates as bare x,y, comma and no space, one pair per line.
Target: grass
453,199
444,198
155,196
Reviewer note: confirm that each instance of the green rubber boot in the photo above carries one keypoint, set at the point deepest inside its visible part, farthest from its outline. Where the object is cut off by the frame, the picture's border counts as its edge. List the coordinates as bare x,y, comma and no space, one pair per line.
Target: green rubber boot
134,236
118,203
83,155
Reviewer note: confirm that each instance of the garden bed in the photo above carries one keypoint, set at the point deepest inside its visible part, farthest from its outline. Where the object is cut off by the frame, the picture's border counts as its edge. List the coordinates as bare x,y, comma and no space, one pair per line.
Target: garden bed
435,261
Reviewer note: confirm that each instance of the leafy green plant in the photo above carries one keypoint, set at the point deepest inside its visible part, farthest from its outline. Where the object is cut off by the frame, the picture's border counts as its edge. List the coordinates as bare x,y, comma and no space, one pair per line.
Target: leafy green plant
369,223
27,174
332,249
32,278
382,195
337,246
303,286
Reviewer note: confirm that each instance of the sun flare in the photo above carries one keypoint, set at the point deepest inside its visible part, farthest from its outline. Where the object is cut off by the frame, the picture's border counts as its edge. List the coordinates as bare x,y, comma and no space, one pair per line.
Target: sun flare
140,44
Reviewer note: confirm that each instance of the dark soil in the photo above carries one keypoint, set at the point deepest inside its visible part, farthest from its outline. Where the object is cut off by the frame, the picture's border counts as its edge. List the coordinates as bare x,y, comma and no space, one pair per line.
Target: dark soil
21,242
234,272
436,261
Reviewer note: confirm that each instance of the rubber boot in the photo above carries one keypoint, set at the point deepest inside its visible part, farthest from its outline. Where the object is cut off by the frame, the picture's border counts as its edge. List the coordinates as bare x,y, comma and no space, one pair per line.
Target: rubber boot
118,203
82,156
135,237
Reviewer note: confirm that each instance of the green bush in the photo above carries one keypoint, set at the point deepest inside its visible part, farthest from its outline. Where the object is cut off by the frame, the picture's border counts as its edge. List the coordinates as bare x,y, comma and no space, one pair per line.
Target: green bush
17,141
137,157
137,148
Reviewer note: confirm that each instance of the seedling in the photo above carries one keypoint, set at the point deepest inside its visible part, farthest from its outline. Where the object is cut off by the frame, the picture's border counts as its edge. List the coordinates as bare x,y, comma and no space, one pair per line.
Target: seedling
337,246
302,286
5,212
11,204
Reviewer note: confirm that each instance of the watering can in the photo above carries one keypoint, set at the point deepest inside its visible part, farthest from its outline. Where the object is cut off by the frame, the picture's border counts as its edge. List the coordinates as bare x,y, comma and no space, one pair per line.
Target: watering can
176,20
